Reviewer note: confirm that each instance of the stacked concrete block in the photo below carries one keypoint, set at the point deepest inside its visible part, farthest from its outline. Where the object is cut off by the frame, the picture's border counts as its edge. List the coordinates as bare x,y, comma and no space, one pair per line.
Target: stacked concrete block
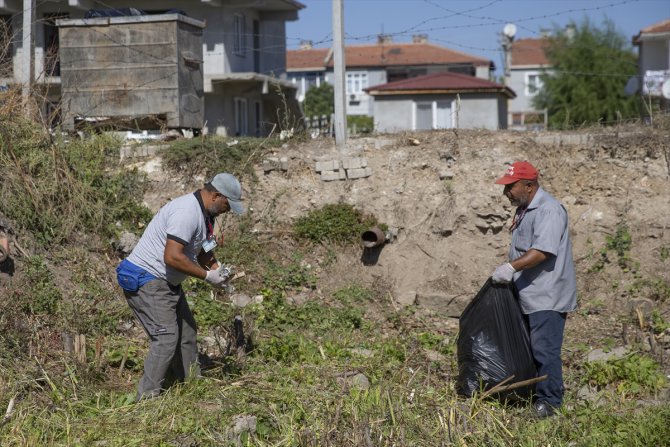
329,165
145,150
359,173
329,176
350,168
357,167
275,164
354,163
330,170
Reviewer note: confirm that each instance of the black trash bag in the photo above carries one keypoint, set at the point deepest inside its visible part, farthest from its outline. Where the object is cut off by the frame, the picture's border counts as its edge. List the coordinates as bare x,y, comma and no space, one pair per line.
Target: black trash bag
494,343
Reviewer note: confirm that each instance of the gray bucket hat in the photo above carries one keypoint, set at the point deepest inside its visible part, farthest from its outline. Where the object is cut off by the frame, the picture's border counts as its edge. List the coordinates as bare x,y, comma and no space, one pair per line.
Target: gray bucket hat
230,187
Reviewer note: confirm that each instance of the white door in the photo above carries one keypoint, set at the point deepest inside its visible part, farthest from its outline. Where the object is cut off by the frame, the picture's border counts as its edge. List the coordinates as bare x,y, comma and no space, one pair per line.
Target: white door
443,115
424,116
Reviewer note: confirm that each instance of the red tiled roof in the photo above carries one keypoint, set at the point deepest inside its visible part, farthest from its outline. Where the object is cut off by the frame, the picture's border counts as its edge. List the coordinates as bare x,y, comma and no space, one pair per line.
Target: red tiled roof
384,55
529,52
313,58
660,27
657,28
444,82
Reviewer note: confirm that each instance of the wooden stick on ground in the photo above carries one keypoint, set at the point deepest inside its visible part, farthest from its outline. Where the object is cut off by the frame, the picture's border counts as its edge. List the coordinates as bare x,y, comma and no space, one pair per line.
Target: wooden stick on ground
8,413
501,387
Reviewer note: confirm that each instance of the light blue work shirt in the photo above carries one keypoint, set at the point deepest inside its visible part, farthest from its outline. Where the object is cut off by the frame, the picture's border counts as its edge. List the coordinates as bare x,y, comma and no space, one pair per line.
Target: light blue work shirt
552,284
183,220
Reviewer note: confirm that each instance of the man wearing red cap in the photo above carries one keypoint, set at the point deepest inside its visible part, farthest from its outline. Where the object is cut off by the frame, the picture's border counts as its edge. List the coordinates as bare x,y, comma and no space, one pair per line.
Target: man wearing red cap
541,266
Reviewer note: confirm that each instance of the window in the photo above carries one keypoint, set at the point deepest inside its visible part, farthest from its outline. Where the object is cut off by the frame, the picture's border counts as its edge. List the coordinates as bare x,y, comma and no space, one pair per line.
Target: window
257,46
356,82
313,79
240,42
52,44
6,46
533,84
241,116
258,121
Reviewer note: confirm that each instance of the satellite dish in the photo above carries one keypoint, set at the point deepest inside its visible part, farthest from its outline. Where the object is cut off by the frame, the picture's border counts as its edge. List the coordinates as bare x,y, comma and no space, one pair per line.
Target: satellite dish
665,89
509,30
632,86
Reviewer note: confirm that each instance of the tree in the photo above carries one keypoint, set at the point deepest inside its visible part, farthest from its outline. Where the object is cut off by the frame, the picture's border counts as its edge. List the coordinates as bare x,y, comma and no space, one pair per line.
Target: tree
589,70
319,101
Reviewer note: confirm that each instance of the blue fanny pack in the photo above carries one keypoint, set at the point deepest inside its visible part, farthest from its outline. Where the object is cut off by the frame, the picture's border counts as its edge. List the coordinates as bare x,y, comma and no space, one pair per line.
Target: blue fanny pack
132,277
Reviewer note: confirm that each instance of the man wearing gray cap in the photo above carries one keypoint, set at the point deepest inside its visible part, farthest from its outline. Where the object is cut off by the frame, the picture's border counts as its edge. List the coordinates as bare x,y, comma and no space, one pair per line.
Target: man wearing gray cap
178,242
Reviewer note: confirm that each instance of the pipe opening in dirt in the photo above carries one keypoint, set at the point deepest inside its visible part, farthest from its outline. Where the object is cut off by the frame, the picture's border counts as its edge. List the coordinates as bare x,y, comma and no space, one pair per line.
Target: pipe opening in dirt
373,237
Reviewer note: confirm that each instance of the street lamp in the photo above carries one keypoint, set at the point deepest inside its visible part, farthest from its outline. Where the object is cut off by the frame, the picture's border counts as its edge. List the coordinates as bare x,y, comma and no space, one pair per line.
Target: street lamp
509,31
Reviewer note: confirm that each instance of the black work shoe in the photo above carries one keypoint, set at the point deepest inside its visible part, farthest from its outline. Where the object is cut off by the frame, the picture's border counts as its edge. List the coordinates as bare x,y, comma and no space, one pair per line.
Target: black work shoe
543,410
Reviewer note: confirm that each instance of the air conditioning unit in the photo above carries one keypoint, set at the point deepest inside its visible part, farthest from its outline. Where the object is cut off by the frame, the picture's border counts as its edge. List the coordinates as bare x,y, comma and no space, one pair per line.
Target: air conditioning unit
353,97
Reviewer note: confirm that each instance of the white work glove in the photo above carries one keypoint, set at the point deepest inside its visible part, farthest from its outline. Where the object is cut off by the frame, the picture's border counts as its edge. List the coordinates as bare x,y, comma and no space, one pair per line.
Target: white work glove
217,277
503,274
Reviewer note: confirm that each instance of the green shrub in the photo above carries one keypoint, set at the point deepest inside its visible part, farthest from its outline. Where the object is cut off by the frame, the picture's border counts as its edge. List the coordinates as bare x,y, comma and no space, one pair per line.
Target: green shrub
207,311
361,123
334,223
57,189
212,154
41,297
658,324
319,101
634,374
292,276
621,244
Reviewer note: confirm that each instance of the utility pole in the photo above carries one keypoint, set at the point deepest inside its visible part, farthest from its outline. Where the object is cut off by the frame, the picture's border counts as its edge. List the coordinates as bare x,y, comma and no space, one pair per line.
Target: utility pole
28,53
338,71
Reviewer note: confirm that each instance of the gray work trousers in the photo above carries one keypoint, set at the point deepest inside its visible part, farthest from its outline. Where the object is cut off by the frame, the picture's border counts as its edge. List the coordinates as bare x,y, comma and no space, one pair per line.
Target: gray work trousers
164,313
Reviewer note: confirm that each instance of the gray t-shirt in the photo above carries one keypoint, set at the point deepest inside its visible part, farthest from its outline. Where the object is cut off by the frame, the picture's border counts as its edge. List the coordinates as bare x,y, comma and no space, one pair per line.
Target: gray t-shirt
552,284
182,220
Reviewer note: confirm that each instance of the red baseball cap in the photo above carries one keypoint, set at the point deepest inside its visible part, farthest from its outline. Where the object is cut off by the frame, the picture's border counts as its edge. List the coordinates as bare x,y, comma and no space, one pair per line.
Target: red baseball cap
519,170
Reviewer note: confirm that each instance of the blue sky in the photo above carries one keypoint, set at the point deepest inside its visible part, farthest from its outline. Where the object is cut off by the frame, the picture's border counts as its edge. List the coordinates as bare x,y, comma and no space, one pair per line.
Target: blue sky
470,26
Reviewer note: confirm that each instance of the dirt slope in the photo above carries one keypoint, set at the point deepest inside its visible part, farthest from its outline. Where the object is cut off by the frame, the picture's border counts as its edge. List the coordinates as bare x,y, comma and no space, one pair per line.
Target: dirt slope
435,190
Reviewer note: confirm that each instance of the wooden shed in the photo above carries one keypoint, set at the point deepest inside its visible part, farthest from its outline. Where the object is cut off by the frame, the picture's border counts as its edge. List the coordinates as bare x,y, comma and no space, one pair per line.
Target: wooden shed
146,68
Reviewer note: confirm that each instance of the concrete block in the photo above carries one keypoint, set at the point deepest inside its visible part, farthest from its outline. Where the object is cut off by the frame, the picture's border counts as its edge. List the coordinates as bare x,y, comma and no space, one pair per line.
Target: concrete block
329,176
446,175
329,165
354,162
271,164
359,173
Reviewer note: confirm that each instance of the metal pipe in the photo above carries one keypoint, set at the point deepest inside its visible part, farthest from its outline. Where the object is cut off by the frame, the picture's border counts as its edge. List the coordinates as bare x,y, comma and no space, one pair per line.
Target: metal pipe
373,237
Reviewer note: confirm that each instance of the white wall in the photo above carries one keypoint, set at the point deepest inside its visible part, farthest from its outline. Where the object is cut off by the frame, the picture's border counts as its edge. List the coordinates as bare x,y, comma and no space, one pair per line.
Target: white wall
395,113
517,82
654,55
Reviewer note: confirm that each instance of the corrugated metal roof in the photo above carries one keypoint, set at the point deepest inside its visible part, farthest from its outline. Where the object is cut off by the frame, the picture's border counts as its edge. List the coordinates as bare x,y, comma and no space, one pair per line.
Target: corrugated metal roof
529,52
444,82
383,55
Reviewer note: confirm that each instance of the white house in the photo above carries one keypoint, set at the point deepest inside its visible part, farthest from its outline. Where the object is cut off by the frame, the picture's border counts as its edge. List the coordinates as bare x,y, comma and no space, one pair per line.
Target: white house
653,44
244,51
386,61
440,101
527,62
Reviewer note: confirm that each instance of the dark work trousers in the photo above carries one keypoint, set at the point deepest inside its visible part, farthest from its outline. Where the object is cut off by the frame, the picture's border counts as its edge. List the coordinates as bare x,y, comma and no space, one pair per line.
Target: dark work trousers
164,313
546,339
